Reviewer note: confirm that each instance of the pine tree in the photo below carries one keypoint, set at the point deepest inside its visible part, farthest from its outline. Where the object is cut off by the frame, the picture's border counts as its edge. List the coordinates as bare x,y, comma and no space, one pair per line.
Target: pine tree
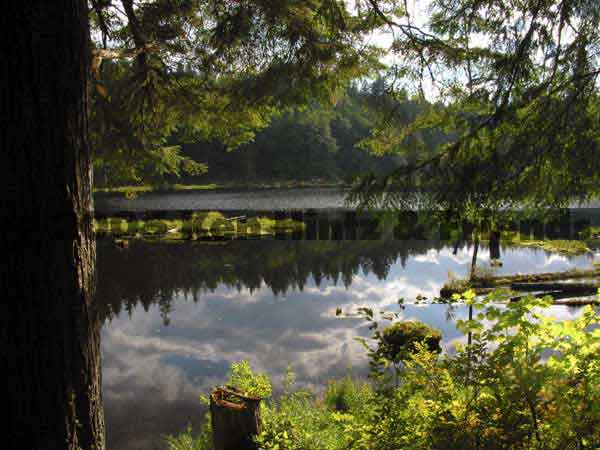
211,70
517,90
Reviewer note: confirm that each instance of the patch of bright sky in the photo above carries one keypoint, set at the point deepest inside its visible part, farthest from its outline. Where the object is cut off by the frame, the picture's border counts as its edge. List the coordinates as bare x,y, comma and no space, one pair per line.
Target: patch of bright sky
418,15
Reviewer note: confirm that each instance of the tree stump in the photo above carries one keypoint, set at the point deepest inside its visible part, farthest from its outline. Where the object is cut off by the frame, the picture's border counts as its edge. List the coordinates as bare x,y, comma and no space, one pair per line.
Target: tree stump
494,245
235,419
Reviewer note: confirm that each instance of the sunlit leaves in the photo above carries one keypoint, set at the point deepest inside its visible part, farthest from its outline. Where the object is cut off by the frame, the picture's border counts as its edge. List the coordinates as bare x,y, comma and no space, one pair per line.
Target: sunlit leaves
518,81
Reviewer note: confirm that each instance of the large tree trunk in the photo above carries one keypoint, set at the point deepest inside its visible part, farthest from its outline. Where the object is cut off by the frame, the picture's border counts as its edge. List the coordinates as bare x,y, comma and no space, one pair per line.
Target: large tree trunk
50,338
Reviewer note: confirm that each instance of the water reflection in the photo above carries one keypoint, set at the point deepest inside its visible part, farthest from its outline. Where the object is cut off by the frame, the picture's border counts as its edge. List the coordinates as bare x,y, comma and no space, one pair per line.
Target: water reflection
237,200
226,200
177,315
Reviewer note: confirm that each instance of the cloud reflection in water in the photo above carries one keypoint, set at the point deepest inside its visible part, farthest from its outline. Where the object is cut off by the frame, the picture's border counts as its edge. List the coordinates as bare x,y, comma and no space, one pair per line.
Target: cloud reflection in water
153,373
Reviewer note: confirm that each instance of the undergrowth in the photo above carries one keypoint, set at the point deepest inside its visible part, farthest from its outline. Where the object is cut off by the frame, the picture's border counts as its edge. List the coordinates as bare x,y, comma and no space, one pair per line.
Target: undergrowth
527,382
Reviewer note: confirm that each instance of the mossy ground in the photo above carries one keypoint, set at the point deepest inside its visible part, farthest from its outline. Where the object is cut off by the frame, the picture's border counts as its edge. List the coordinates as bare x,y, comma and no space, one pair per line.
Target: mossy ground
133,190
201,225
568,247
563,246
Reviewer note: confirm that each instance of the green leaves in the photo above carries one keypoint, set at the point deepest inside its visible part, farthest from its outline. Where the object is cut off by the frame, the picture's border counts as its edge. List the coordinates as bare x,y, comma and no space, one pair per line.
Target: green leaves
244,379
527,381
213,70
518,96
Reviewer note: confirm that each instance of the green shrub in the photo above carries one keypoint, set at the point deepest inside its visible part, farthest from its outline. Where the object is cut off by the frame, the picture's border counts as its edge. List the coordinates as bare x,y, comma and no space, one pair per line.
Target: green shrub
527,382
347,394
245,380
302,421
400,339
188,441
590,233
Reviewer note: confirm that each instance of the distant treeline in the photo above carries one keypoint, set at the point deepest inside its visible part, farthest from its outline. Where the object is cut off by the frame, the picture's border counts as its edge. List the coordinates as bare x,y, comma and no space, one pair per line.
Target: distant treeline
316,143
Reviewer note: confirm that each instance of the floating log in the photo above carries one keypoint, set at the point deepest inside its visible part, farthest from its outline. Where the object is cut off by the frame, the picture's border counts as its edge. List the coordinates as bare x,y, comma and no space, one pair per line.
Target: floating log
235,419
578,302
506,280
483,286
556,295
573,288
561,299
448,291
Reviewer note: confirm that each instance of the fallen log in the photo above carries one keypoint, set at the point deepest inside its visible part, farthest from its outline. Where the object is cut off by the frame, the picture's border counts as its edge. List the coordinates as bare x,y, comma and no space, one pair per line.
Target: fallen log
448,291
483,286
578,302
565,301
573,288
505,280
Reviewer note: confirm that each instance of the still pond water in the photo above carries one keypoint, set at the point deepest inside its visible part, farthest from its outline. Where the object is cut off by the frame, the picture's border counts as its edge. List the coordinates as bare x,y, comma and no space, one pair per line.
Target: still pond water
236,200
176,315
228,200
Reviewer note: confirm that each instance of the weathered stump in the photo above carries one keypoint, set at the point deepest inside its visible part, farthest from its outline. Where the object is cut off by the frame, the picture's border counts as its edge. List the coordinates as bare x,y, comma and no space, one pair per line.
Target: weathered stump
235,419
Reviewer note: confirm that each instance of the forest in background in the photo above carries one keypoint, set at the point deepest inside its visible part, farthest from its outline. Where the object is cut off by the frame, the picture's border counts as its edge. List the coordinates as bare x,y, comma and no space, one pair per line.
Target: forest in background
321,143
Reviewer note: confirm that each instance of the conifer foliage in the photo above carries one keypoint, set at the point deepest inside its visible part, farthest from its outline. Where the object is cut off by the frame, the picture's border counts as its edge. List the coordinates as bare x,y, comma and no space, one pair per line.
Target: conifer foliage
212,69
518,89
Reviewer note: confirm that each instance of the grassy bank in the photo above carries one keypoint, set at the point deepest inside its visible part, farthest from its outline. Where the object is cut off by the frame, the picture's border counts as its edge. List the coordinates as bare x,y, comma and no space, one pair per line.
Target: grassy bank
563,246
148,188
136,190
200,225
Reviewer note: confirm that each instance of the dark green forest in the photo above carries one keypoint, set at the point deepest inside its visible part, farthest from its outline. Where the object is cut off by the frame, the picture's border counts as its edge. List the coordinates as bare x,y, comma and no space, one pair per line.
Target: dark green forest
321,143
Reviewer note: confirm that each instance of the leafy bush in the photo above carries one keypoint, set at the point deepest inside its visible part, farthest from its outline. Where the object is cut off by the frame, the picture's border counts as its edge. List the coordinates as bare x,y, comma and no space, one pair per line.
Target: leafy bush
188,441
347,394
302,421
590,233
399,340
527,382
243,378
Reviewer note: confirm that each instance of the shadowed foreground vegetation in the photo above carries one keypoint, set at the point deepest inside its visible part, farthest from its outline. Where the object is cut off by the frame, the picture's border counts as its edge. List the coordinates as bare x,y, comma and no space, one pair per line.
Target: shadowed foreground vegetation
503,391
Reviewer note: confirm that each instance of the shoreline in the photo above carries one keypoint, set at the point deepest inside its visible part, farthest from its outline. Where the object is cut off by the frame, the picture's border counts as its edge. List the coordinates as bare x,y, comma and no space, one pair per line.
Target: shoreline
217,187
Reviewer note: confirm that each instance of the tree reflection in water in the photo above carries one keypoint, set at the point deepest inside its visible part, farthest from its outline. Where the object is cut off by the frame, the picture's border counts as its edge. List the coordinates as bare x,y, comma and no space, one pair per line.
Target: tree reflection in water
150,273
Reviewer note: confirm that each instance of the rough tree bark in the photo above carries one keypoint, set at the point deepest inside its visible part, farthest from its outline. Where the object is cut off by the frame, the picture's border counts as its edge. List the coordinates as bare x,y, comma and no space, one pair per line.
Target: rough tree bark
50,338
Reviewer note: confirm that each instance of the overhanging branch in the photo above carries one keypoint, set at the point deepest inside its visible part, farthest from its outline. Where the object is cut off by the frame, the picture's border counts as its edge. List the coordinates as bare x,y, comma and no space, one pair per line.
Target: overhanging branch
100,54
121,53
